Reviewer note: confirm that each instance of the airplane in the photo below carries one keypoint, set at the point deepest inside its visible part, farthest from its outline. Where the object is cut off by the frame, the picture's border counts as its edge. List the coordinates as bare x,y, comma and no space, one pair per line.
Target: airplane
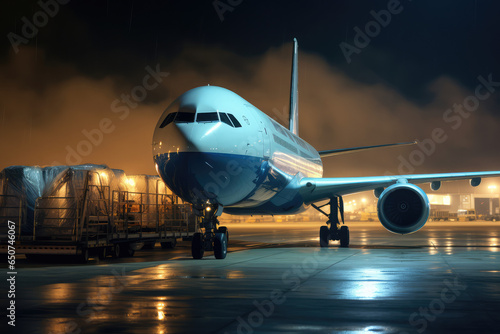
220,153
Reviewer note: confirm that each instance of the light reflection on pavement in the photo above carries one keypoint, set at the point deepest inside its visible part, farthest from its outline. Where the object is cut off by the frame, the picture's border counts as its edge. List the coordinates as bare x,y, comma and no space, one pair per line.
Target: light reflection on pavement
276,279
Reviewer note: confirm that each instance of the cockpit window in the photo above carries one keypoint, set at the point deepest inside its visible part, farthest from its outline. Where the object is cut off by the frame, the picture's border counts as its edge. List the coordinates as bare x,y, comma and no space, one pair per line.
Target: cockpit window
225,119
202,117
207,117
235,121
178,117
184,117
170,117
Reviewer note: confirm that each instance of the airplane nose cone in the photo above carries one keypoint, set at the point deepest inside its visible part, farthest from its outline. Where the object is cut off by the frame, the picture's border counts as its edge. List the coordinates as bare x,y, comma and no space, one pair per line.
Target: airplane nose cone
190,161
187,160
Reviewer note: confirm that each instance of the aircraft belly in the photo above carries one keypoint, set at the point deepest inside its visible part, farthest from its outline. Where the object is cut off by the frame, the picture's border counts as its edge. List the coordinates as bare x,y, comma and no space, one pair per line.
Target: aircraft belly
225,178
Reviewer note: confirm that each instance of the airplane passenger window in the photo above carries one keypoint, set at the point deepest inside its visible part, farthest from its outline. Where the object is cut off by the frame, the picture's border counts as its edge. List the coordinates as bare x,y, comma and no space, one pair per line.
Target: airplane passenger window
225,119
170,117
279,128
276,126
285,144
289,135
184,117
234,120
302,143
296,139
207,117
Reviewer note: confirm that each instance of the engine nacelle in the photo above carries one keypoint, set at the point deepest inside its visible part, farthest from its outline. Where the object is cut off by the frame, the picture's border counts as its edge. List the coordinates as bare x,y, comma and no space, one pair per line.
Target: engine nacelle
403,208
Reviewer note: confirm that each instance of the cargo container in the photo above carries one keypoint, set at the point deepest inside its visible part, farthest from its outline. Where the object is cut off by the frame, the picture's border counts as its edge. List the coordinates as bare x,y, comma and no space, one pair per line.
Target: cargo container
88,210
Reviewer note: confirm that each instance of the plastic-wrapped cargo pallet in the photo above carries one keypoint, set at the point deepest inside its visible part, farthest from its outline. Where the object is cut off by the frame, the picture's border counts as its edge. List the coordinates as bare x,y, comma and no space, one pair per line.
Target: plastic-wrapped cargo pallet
144,193
83,201
54,195
76,191
20,186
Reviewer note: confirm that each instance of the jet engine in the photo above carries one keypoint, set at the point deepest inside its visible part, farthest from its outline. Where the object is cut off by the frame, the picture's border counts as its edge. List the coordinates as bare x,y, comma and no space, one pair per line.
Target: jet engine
403,208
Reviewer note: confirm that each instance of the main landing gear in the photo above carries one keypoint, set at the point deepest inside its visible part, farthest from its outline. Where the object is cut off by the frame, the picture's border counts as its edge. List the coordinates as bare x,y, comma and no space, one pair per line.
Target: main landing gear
335,231
213,239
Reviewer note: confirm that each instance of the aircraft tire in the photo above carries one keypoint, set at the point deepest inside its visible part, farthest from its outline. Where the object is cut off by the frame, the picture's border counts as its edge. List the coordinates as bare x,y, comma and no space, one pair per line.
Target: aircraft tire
324,236
220,246
344,236
197,246
223,229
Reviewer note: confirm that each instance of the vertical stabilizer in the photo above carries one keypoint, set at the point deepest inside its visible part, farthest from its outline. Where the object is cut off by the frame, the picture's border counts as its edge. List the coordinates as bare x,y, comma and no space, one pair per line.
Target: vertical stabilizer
294,92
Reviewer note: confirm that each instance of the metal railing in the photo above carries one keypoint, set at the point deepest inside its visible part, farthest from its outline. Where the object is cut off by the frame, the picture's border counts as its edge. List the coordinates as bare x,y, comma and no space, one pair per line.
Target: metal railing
135,212
97,214
56,218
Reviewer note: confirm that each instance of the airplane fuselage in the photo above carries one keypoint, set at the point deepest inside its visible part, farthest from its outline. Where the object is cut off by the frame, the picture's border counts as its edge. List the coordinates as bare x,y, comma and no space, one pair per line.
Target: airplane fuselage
212,145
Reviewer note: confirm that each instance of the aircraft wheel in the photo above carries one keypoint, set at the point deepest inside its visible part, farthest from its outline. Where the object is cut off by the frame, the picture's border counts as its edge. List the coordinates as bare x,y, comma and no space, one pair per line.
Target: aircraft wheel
324,236
197,246
344,236
220,245
224,230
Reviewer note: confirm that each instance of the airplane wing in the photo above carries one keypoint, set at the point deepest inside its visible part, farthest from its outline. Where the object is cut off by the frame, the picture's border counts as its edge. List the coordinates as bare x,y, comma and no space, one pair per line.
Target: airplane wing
317,189
331,153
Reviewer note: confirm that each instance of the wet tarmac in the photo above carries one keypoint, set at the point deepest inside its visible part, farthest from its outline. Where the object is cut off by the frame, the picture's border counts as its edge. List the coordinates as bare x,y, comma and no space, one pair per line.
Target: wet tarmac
444,278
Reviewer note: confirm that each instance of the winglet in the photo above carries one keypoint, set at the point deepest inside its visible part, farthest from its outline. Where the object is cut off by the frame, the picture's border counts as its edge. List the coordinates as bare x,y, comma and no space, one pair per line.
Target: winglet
294,92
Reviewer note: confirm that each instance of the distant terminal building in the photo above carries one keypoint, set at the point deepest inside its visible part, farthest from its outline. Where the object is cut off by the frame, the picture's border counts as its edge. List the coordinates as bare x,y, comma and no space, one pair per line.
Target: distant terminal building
482,204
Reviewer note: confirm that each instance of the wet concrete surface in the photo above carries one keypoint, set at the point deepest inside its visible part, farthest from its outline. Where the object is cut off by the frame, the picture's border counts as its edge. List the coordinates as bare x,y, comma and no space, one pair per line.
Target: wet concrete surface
444,278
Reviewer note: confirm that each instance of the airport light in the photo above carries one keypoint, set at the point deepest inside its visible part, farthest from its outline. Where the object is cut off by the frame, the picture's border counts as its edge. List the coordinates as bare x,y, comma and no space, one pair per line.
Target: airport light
492,187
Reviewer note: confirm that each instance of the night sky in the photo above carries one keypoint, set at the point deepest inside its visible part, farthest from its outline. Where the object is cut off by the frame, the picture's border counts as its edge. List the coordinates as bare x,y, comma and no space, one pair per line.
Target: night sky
406,76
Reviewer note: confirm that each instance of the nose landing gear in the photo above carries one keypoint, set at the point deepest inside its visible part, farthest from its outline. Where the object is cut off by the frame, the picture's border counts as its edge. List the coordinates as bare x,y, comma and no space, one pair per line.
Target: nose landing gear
213,238
335,231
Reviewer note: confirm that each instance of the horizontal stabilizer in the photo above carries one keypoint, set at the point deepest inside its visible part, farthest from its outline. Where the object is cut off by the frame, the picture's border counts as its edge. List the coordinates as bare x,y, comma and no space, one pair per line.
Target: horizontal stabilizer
330,153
